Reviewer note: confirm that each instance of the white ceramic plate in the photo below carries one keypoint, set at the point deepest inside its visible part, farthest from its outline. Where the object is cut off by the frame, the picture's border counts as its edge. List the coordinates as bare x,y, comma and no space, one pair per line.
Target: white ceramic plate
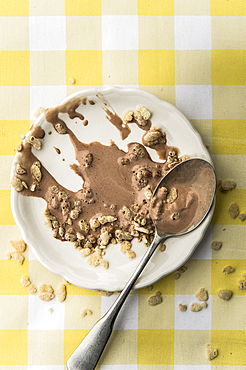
60,257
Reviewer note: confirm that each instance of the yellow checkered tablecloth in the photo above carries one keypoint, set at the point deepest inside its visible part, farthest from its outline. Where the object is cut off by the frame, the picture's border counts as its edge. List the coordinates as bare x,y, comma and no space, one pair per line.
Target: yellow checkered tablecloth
190,53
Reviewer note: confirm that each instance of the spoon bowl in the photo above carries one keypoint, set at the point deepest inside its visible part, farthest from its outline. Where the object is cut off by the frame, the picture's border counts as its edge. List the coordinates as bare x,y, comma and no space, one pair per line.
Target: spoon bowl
180,203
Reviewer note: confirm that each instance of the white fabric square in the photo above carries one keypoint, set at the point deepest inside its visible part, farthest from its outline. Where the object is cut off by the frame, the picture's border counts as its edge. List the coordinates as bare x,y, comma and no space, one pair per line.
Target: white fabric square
195,101
192,32
46,97
45,315
47,33
128,316
192,320
120,32
204,251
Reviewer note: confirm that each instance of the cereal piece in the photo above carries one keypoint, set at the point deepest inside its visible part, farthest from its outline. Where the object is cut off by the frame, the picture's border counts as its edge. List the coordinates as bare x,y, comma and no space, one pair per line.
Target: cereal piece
125,245
148,194
175,216
202,294
182,269
141,229
19,170
50,309
172,196
216,245
224,294
31,289
94,223
228,270
36,172
126,213
18,244
139,118
105,219
155,299
71,80
162,248
123,235
149,288
18,257
227,185
24,184
104,263
128,116
94,259
61,293
74,214
36,143
233,210
105,238
80,236
70,237
210,353
241,284
61,231
60,129
16,183
38,111
85,252
143,111
242,216
87,160
195,307
176,276
84,226
62,195
45,292
85,312
25,281
204,304
182,307
131,254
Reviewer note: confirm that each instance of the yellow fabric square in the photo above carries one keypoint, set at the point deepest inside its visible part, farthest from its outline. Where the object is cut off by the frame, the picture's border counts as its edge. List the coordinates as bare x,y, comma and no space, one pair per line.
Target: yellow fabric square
192,7
6,218
229,136
10,132
89,31
163,72
190,347
47,68
85,7
165,92
121,348
231,346
193,67
11,273
14,8
221,280
151,26
46,7
120,67
160,316
73,318
13,347
119,7
85,66
11,37
226,169
190,281
15,67
227,32
225,7
12,318
155,347
72,338
223,201
166,286
45,347
228,67
229,102
156,7
235,313
233,239
204,128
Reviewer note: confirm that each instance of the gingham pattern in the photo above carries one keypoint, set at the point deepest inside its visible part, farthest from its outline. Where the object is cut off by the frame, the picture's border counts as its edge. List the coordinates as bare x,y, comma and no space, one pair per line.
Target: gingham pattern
190,53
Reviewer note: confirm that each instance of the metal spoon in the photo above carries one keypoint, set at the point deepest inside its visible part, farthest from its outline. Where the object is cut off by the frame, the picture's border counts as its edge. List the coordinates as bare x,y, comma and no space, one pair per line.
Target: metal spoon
193,174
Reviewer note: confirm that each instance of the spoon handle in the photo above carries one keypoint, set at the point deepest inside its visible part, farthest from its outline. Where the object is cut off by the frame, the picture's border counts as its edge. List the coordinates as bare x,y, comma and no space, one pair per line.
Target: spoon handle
87,354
